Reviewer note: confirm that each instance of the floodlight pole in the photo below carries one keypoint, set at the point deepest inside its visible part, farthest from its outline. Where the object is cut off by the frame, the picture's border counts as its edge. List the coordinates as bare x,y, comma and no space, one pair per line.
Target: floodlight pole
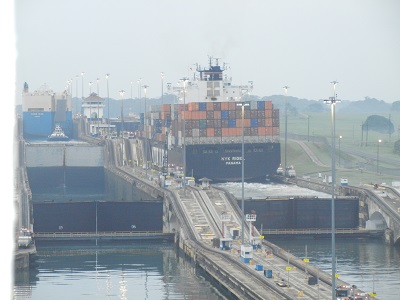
242,105
332,101
285,88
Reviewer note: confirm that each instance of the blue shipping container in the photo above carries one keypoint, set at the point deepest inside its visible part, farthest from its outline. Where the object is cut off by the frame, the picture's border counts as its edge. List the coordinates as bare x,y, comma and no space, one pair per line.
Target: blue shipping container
202,106
232,123
254,122
224,114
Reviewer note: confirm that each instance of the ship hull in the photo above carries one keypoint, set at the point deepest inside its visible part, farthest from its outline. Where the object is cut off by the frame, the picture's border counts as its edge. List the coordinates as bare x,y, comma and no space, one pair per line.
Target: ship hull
223,162
41,124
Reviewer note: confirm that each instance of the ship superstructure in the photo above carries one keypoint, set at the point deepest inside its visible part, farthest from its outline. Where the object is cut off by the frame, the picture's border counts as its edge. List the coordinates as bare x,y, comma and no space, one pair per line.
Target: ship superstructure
42,109
207,122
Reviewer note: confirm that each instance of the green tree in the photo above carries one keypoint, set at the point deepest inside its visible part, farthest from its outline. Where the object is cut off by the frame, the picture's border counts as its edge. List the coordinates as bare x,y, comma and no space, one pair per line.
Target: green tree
395,106
396,148
379,124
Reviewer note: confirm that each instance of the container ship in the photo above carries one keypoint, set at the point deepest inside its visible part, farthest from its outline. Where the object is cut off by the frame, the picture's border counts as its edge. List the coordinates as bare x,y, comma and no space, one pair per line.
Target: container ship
43,110
206,129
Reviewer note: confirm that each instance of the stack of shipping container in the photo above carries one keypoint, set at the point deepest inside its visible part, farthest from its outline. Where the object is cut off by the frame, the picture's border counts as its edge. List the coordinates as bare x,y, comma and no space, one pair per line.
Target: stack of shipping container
213,122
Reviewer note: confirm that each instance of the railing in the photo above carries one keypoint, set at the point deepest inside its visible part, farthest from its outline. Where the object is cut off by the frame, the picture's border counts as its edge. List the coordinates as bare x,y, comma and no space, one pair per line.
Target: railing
320,231
80,235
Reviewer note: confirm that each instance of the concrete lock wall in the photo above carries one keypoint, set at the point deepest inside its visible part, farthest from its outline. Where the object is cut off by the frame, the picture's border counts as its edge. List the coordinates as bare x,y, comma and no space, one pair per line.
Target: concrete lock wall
62,155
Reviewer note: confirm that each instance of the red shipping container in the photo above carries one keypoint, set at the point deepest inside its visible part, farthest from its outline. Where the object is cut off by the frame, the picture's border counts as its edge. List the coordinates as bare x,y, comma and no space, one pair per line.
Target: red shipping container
224,105
217,114
232,105
210,106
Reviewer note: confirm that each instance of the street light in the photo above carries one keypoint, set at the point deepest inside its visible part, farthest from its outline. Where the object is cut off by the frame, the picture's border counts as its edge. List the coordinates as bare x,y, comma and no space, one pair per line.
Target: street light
184,134
90,104
285,88
377,157
122,92
77,96
145,127
332,101
83,73
242,105
162,87
108,106
139,94
131,89
340,137
98,108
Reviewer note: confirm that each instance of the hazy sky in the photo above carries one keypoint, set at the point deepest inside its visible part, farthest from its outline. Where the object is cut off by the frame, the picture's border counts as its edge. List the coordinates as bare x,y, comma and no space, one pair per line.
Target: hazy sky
303,44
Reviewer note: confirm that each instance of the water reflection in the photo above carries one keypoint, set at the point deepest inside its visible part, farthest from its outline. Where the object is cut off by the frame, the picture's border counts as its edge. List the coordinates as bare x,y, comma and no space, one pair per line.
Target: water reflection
108,271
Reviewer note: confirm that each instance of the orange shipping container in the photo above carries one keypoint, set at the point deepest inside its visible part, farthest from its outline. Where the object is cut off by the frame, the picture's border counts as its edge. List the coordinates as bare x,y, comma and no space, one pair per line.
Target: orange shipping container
262,131
268,105
225,131
268,122
233,132
210,132
232,105
210,106
166,107
202,114
217,114
224,105
268,113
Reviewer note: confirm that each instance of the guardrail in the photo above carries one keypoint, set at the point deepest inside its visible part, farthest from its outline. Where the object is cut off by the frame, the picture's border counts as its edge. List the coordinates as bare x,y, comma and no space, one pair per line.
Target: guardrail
321,231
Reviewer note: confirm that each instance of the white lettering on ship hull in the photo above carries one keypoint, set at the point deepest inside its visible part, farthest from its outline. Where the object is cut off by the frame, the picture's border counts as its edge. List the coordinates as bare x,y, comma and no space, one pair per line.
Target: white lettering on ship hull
234,160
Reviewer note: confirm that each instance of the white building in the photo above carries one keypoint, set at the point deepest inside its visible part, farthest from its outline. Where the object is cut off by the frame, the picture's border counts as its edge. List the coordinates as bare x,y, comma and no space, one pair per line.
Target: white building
93,107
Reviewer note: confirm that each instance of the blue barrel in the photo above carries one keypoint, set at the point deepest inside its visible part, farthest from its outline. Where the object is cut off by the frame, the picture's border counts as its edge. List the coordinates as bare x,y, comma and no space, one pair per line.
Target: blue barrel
259,267
268,273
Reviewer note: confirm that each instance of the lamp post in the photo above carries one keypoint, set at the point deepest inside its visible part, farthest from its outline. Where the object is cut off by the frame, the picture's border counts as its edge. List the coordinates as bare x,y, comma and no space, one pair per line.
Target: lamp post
90,104
131,89
340,137
139,94
184,134
242,105
108,106
332,101
98,108
77,96
285,88
83,73
377,157
122,92
145,128
162,88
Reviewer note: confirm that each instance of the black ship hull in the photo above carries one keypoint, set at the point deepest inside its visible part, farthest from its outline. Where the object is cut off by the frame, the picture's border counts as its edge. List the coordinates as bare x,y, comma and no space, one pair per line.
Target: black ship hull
223,162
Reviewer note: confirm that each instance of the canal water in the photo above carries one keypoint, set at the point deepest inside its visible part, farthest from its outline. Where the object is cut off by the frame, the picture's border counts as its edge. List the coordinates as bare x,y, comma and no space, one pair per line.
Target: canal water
139,270
369,264
155,270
